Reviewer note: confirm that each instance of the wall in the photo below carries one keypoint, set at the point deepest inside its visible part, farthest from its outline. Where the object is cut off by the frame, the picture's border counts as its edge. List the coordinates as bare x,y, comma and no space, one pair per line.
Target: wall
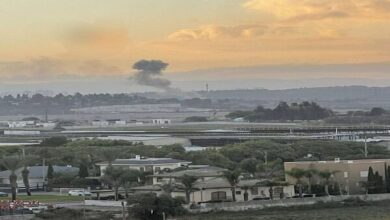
261,204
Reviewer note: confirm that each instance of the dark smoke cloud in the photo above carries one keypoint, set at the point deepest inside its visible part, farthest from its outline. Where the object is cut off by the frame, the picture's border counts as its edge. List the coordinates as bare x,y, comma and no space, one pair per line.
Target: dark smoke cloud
149,72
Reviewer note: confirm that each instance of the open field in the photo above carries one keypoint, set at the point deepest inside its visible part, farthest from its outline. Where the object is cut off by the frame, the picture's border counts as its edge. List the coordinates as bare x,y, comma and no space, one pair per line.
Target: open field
358,211
49,198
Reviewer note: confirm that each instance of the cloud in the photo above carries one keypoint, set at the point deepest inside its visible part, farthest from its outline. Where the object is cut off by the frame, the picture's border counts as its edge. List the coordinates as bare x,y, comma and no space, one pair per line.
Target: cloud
305,10
47,68
212,32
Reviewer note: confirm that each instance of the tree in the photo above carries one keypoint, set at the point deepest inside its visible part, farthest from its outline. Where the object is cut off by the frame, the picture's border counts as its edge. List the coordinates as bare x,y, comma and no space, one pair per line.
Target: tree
297,174
233,177
309,174
249,165
50,172
54,141
26,172
371,180
148,206
83,170
188,183
128,178
326,175
113,177
12,163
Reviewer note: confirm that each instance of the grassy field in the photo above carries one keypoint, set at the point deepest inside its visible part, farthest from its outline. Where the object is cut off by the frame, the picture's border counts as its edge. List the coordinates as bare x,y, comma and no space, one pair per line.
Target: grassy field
357,211
49,198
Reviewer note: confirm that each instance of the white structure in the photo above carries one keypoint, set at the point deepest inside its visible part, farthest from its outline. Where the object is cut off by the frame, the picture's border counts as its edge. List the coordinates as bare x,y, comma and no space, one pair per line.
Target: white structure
21,124
120,123
154,165
161,121
20,132
99,123
47,124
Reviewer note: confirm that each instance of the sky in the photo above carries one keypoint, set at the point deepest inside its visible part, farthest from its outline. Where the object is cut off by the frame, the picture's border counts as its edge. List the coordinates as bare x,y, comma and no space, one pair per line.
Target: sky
55,41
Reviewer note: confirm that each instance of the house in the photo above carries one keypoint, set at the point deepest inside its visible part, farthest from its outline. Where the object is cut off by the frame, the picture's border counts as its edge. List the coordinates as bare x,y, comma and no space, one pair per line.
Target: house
211,186
161,121
37,175
349,174
153,165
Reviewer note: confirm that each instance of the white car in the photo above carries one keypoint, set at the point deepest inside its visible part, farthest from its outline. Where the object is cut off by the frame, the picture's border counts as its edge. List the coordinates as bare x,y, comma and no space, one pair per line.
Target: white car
79,192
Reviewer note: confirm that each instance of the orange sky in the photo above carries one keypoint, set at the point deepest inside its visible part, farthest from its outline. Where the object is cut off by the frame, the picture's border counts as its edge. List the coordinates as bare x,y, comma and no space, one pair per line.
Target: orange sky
65,38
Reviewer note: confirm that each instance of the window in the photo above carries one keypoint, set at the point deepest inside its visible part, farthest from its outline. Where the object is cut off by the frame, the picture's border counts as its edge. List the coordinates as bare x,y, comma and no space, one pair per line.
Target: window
217,196
157,169
345,174
159,179
363,173
255,191
238,192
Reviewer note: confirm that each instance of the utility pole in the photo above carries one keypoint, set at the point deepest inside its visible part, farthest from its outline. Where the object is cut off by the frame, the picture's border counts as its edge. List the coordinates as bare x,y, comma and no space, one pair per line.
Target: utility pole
365,146
123,210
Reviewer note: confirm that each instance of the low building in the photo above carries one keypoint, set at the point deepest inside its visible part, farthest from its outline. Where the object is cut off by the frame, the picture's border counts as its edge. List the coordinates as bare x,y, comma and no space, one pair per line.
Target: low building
211,186
349,174
99,123
153,165
161,121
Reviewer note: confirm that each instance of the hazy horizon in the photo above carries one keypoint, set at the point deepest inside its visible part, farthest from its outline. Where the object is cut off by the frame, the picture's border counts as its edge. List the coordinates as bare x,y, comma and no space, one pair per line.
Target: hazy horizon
227,44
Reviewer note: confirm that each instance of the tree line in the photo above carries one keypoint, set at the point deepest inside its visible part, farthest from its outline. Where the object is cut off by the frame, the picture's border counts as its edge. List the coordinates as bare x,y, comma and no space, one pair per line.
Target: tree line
284,112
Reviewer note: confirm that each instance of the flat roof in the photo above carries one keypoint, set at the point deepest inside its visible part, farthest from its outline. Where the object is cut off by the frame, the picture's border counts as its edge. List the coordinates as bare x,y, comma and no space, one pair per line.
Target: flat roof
145,161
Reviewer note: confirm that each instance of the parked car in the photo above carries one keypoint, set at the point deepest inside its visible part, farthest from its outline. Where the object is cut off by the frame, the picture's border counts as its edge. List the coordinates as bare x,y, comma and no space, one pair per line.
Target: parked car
79,192
3,194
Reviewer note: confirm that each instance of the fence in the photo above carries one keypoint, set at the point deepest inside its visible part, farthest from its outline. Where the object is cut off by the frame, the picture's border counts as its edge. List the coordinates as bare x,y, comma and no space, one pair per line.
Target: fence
262,204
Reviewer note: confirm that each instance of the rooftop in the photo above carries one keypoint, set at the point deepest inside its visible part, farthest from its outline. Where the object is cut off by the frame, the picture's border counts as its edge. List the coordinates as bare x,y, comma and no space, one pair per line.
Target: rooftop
336,161
204,171
145,161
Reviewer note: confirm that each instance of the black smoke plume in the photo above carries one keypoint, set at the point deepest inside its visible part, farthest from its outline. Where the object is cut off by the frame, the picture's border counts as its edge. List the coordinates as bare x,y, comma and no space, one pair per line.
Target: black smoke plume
149,74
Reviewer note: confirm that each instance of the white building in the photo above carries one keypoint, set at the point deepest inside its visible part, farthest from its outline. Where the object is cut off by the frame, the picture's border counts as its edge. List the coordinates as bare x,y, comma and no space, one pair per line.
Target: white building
161,121
154,165
99,123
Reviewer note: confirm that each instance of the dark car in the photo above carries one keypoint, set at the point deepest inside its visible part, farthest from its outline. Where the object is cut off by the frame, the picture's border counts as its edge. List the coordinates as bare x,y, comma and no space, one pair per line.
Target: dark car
3,194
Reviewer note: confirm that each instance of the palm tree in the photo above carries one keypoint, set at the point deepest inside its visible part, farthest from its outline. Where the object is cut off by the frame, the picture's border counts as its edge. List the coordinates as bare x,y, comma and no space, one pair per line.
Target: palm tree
26,182
233,177
326,175
26,172
12,163
297,174
309,174
188,184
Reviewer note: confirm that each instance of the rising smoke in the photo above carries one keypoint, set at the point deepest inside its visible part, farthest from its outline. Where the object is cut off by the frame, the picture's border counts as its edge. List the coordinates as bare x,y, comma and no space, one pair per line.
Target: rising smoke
149,74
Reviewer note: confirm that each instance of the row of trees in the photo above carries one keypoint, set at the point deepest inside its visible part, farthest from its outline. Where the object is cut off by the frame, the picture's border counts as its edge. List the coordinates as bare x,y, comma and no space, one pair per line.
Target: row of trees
283,112
298,174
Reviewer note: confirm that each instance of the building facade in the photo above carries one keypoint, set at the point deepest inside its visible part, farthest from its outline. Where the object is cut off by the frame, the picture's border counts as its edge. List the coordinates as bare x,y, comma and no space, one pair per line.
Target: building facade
349,174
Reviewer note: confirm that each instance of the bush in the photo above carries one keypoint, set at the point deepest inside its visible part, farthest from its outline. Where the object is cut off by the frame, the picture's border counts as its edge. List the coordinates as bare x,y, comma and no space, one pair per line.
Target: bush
148,206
